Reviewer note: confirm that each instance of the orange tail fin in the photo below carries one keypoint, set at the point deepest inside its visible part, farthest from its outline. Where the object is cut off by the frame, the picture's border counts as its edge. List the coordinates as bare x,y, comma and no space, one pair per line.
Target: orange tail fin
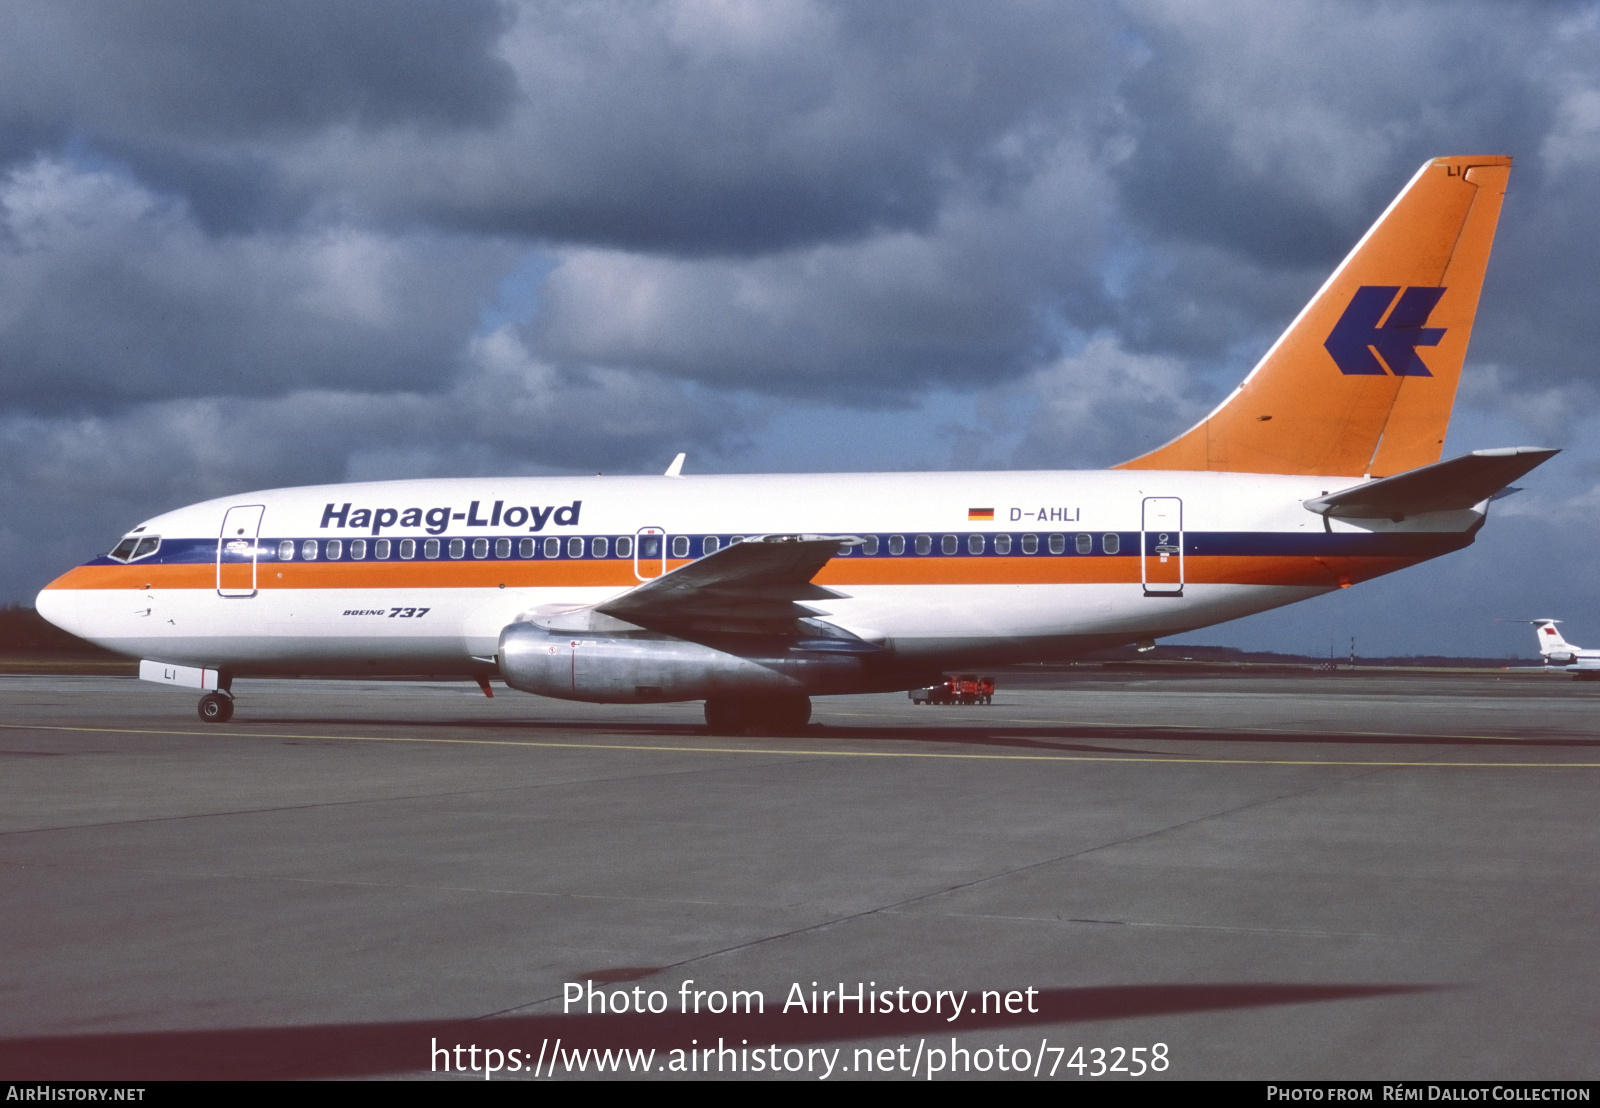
1363,380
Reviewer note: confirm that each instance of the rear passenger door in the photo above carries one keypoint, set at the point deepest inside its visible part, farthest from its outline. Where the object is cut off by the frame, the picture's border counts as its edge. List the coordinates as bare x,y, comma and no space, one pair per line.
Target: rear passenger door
1161,546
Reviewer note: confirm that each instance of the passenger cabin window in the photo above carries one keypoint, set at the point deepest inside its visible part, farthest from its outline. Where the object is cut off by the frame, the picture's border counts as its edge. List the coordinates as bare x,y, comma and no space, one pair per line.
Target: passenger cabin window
430,548
552,547
380,550
308,550
458,548
1002,544
845,549
286,550
1058,544
502,548
709,545
625,546
598,547
897,544
1110,543
333,549
870,547
949,544
574,547
358,549
525,548
1084,544
974,544
924,544
408,548
1030,544
680,546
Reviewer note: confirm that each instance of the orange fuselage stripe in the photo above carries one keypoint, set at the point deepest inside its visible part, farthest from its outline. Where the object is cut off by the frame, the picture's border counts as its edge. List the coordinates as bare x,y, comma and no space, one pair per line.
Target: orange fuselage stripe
912,570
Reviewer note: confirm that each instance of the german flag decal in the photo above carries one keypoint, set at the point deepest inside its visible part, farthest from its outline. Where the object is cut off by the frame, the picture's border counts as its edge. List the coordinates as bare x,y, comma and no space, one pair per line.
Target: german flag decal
980,513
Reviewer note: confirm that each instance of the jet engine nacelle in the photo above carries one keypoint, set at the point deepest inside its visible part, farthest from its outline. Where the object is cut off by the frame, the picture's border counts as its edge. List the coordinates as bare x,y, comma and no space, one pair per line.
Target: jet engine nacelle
1560,658
626,669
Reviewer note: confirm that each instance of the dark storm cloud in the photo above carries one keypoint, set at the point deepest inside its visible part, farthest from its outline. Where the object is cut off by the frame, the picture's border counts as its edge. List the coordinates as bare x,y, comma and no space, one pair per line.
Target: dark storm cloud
1280,131
207,70
698,128
865,197
110,294
1270,136
185,92
872,320
1538,321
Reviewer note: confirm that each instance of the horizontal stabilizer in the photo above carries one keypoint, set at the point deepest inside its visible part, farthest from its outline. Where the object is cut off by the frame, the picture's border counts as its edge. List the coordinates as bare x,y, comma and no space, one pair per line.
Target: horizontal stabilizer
1442,487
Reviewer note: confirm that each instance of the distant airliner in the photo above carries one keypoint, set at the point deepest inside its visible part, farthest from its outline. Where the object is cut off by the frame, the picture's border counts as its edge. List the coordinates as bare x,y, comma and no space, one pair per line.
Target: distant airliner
1557,651
754,593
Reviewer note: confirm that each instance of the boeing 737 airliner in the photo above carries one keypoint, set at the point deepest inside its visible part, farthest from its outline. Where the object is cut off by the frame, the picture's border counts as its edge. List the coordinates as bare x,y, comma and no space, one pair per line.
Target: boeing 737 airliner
754,593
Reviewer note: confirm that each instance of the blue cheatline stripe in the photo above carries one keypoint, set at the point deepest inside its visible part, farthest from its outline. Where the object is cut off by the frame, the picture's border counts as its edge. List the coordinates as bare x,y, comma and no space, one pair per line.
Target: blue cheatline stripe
1282,544
1311,544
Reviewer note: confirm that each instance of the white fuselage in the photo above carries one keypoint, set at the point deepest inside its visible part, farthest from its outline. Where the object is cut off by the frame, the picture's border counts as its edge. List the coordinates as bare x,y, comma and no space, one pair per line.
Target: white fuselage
412,577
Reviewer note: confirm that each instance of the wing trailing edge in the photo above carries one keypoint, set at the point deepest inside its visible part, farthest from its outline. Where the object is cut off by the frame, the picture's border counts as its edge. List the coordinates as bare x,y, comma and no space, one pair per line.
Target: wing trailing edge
762,585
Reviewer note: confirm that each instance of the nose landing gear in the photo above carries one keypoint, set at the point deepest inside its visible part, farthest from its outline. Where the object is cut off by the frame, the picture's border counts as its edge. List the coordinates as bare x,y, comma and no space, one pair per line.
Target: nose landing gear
216,707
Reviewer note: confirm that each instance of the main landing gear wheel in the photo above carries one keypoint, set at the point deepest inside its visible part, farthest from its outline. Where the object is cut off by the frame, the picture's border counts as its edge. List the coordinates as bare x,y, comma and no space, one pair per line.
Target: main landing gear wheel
216,707
773,715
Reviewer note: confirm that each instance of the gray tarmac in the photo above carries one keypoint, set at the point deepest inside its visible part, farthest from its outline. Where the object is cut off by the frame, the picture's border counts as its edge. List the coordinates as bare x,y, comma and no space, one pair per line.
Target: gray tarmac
1332,876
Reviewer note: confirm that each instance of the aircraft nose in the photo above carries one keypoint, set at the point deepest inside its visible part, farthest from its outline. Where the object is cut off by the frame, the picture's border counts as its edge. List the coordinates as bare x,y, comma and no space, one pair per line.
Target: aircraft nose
60,607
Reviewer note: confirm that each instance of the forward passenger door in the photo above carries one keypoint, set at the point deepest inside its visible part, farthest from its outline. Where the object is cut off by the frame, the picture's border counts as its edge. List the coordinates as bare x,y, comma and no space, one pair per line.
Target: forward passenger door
236,550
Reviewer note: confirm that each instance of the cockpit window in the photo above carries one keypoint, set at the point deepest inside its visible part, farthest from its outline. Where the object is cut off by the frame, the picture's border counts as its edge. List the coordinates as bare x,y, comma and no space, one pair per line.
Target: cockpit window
134,547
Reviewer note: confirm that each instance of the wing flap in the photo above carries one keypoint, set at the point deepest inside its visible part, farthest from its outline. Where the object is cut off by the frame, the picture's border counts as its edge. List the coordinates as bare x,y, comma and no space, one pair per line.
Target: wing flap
760,580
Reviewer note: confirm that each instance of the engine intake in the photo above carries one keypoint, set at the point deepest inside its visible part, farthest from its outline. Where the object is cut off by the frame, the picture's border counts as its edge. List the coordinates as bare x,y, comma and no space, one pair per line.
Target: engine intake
647,668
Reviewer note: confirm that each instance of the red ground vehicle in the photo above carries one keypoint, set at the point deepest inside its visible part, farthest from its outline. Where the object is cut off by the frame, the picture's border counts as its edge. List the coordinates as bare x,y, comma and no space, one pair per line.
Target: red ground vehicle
961,688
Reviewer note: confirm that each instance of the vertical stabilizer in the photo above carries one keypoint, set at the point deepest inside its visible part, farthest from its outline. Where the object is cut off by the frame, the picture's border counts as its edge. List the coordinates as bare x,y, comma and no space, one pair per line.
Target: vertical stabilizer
1363,380
1551,642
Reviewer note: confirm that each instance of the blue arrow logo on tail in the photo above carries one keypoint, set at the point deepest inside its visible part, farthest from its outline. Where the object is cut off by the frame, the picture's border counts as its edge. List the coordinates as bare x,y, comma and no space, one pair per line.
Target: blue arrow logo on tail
1363,330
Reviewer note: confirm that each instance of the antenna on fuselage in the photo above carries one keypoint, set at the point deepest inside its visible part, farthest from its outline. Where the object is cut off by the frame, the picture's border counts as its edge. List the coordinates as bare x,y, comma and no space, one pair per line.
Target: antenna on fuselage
676,468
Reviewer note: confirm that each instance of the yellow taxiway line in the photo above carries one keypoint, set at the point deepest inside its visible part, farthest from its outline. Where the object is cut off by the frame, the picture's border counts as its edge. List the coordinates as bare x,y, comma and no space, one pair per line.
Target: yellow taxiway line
1176,759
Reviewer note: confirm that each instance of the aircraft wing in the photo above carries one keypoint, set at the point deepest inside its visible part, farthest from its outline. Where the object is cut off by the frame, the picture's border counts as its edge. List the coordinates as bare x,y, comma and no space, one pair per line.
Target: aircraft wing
760,580
1441,487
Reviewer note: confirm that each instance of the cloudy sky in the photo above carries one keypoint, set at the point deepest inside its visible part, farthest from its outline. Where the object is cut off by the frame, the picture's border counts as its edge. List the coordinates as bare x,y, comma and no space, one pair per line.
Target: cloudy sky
245,245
